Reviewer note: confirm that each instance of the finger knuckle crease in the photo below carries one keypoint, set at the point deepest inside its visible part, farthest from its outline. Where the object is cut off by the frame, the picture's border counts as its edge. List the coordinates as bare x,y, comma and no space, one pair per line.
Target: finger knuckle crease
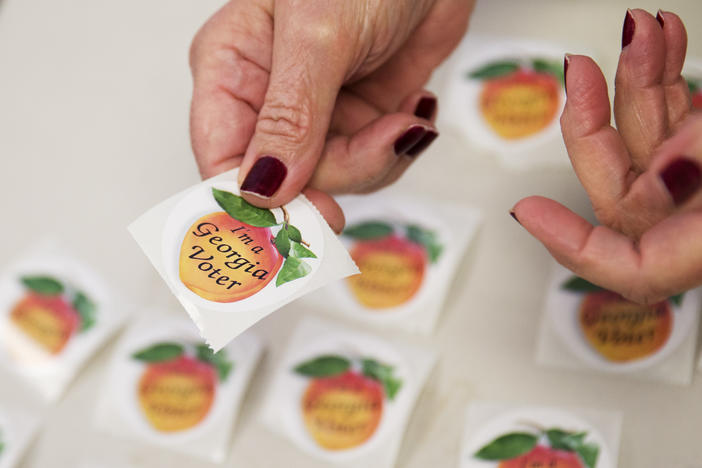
290,123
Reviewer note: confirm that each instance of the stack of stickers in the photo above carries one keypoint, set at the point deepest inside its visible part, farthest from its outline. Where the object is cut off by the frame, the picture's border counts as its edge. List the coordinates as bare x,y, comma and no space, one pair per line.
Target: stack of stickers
55,313
341,396
586,327
506,96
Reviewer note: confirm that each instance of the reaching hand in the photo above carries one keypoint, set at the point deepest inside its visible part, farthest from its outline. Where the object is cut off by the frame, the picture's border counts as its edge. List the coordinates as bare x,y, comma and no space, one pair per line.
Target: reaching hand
643,178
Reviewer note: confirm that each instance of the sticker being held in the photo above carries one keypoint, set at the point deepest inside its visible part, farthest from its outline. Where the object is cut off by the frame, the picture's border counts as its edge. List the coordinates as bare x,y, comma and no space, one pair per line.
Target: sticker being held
408,251
345,397
230,263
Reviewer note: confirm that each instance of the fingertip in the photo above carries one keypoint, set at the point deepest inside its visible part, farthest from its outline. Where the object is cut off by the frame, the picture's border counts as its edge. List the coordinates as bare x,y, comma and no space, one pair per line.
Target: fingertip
328,208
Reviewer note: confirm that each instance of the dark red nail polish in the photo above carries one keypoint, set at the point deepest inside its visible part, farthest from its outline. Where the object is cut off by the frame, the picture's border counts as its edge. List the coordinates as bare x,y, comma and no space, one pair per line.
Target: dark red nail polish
265,177
628,31
659,17
407,140
511,213
682,178
566,62
423,144
426,107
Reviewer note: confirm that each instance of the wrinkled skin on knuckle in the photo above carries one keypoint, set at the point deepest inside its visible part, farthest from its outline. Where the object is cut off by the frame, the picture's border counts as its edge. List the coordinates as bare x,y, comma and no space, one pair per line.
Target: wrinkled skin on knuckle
286,120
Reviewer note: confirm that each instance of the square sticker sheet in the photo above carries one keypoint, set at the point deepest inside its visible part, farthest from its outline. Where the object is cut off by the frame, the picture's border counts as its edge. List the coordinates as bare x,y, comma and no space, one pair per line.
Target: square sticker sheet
55,314
587,328
408,251
166,387
230,263
345,397
504,436
506,96
17,429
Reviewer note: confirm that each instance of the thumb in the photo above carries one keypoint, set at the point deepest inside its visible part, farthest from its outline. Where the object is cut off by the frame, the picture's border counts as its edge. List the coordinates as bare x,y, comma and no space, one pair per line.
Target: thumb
309,63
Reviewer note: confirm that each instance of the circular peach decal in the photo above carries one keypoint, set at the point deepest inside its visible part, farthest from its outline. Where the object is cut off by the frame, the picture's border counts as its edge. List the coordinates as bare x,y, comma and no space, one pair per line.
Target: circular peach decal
541,448
393,262
618,329
176,390
51,313
230,255
342,406
519,99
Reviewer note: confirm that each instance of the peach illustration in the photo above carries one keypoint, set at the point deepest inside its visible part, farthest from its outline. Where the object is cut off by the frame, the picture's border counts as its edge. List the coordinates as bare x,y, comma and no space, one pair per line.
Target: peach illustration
176,395
49,320
544,457
392,271
520,104
541,448
343,411
621,330
342,407
225,260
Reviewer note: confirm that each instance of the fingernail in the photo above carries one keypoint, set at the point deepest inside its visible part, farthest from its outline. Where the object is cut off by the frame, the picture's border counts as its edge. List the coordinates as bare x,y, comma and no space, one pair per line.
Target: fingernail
566,62
407,140
682,178
511,213
425,107
423,144
265,177
659,17
628,30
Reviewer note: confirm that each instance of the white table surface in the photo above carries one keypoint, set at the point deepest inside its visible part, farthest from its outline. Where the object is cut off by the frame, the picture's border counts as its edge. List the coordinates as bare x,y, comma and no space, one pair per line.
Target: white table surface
94,100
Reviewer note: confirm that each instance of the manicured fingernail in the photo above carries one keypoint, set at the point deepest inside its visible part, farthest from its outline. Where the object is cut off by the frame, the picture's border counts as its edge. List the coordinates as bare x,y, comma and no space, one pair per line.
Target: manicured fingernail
511,213
423,144
407,140
628,30
425,107
265,177
566,62
659,17
682,178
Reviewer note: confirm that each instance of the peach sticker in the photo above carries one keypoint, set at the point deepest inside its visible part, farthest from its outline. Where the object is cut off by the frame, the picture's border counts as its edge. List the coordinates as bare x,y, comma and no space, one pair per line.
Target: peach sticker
176,390
519,98
392,262
50,313
342,407
230,263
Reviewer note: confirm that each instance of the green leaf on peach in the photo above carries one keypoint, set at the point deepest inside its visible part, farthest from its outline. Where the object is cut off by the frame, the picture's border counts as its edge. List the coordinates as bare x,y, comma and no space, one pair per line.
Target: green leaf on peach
241,210
43,285
217,360
368,230
508,446
323,366
160,352
495,70
300,251
293,268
